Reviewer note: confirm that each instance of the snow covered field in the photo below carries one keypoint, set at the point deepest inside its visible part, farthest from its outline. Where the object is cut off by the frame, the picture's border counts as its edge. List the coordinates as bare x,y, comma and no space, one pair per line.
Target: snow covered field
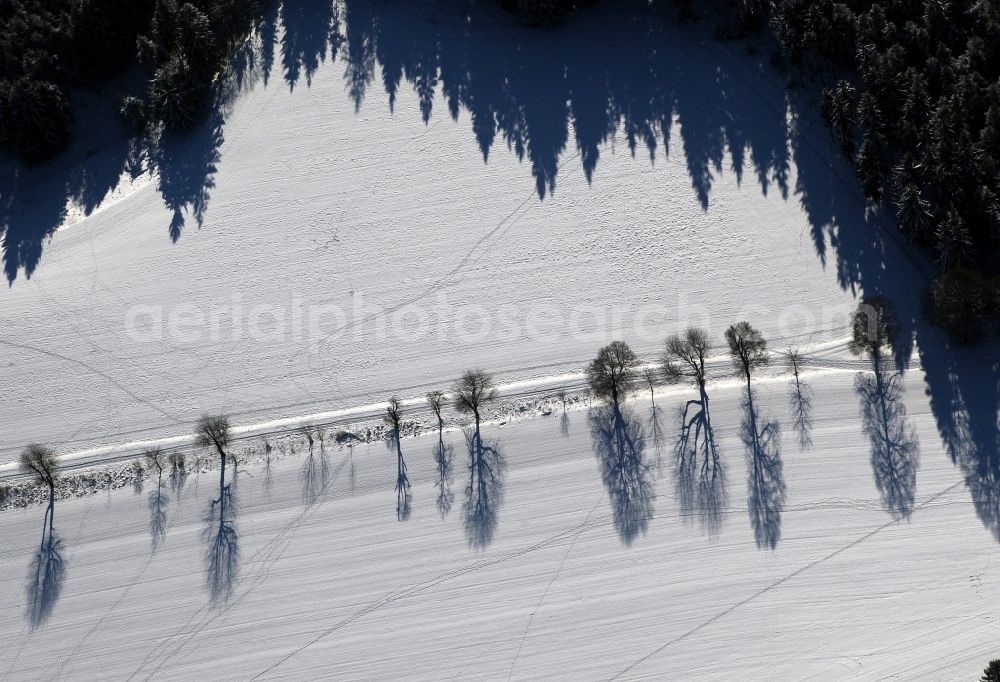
338,588
310,251
309,208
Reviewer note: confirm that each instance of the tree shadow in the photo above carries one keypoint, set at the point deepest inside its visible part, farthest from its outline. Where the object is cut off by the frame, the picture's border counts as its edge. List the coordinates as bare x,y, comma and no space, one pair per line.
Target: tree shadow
185,167
657,436
268,471
766,490
871,258
178,475
484,492
800,396
404,495
620,446
36,202
309,29
699,473
894,447
616,69
159,503
315,473
445,476
47,572
222,555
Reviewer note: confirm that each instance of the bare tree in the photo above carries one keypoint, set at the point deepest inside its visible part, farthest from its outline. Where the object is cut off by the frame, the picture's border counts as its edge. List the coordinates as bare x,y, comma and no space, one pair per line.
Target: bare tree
800,398
684,358
748,349
213,431
472,392
613,373
48,569
436,401
649,376
268,475
313,479
442,456
699,475
393,417
564,419
761,439
40,463
138,476
894,445
158,501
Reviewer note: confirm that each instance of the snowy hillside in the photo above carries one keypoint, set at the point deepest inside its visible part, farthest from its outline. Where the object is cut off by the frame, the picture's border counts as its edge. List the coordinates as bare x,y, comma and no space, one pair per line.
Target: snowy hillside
391,195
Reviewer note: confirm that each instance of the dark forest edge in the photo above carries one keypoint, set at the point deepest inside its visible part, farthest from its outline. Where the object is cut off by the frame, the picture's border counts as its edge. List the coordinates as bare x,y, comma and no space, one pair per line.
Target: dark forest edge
912,99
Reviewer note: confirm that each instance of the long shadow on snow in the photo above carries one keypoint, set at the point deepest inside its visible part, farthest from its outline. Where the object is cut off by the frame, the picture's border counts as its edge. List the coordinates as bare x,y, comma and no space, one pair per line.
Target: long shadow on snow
222,552
871,258
47,572
766,488
621,68
699,473
484,492
620,446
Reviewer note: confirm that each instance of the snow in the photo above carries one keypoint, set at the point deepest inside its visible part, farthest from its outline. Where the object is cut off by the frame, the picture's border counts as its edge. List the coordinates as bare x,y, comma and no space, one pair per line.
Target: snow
297,199
339,588
389,213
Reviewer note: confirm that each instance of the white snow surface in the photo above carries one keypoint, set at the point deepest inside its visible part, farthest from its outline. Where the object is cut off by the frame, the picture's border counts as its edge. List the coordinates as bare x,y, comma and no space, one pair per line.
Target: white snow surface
340,589
311,201
304,199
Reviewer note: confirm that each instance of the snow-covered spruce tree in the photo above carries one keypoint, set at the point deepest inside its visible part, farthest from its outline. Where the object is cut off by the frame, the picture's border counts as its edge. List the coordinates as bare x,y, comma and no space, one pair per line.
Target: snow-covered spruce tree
393,418
992,672
960,303
540,13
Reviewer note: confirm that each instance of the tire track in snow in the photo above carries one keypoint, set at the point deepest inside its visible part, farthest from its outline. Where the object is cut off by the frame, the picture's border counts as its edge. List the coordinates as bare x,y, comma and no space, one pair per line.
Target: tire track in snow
417,588
269,555
128,588
501,227
90,368
545,592
778,583
26,631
